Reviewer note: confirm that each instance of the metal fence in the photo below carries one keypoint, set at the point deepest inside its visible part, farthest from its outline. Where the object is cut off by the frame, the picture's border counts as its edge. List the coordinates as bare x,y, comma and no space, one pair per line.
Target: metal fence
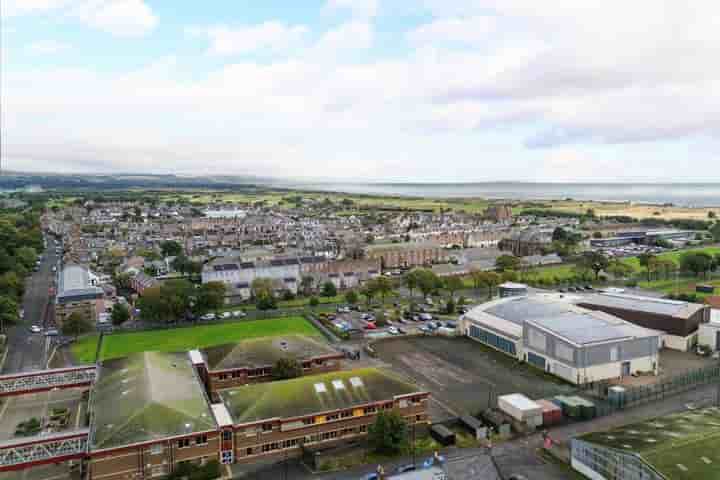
663,388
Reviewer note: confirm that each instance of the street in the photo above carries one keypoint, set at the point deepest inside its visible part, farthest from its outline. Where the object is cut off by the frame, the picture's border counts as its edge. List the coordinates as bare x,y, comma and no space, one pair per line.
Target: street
27,351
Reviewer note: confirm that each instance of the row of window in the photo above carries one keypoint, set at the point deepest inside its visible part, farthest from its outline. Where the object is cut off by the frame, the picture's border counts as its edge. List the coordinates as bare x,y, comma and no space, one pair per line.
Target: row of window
307,439
186,442
492,340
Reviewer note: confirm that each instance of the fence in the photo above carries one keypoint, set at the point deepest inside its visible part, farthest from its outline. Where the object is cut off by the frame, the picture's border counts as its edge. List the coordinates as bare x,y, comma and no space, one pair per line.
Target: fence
659,390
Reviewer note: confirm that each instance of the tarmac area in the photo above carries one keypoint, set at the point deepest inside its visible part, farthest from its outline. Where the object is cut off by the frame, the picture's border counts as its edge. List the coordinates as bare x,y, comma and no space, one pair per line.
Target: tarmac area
463,375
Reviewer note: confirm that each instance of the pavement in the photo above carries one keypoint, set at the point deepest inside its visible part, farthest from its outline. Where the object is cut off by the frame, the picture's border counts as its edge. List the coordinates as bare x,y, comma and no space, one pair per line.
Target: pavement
27,351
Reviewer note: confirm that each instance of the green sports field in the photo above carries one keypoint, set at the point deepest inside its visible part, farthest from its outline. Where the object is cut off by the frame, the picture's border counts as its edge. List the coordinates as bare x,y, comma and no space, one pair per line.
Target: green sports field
187,338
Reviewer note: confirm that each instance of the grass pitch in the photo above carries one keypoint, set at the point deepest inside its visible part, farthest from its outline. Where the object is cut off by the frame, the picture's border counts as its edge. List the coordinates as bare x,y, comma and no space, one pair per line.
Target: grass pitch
187,338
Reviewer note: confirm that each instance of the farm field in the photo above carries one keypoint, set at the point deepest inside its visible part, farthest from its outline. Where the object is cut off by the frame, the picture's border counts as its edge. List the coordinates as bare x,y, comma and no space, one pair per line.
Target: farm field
186,338
612,209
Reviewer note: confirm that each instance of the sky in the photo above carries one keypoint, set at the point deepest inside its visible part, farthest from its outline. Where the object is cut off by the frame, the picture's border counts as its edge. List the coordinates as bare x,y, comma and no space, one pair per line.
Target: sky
395,90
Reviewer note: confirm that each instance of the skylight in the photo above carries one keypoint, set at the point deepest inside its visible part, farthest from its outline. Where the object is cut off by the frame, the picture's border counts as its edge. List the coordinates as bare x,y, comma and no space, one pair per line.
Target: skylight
320,388
356,382
338,384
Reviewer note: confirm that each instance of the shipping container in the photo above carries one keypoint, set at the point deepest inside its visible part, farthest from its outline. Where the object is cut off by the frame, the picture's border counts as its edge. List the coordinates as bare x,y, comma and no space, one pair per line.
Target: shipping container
518,406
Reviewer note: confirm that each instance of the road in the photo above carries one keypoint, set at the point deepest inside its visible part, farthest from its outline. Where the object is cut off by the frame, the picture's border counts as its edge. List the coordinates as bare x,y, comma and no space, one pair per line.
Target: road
28,351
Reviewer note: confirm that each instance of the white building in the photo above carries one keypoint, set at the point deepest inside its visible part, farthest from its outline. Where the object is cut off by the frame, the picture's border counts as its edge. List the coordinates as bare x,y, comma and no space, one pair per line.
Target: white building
552,333
709,333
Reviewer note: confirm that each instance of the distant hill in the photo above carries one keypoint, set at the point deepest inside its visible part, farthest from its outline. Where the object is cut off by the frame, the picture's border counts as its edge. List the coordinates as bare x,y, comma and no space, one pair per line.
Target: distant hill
52,181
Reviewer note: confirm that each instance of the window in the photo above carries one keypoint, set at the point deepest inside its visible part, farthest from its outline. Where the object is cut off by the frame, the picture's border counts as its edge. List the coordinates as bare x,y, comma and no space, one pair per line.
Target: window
369,410
536,360
537,340
308,421
495,341
346,414
332,417
222,376
227,435
156,449
613,354
183,443
564,352
267,427
201,440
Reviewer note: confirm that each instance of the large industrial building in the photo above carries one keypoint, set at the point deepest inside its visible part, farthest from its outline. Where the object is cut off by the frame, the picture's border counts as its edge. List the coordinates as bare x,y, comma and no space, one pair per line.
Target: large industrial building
678,320
682,446
552,333
77,292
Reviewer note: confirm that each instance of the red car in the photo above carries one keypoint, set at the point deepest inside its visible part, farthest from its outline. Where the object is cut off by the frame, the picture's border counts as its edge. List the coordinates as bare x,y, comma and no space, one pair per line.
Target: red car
370,326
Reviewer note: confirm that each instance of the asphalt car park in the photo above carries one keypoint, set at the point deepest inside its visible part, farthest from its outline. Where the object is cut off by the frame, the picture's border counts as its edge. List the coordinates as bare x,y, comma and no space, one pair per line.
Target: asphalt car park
464,376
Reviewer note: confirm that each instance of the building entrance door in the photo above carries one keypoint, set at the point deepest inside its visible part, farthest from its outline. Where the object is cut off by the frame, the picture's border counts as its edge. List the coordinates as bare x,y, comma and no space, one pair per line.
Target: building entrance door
625,369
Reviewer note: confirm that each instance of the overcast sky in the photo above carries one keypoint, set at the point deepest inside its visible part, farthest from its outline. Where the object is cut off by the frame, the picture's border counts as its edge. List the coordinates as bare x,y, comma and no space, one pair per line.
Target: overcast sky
417,90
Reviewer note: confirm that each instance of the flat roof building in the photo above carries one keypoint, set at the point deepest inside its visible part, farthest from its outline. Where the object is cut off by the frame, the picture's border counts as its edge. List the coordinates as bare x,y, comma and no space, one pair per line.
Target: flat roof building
679,320
77,292
682,446
552,333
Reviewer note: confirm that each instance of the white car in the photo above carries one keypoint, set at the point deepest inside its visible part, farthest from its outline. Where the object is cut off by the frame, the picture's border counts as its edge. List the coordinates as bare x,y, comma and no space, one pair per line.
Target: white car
239,314
35,329
226,315
208,316
393,331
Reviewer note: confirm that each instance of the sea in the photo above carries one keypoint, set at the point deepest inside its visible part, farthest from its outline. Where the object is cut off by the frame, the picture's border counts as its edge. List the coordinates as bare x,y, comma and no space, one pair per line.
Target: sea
678,194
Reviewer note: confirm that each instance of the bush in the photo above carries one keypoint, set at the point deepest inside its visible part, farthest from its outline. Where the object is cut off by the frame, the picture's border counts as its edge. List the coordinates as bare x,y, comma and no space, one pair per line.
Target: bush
189,471
388,434
314,302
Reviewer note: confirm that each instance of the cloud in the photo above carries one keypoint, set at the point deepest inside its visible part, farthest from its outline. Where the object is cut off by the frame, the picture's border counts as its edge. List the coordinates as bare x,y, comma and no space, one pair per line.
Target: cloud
361,9
48,47
497,92
273,35
468,31
125,18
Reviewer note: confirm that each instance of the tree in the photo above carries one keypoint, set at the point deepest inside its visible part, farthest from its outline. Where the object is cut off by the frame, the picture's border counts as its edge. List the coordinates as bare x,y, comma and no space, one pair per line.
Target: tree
595,261
75,325
306,284
261,287
8,312
389,433
452,285
168,302
12,284
369,290
170,248
314,302
715,231
286,368
478,278
427,281
507,262
384,286
620,269
329,289
697,262
27,256
493,279
647,260
210,296
411,281
450,306
119,314
351,297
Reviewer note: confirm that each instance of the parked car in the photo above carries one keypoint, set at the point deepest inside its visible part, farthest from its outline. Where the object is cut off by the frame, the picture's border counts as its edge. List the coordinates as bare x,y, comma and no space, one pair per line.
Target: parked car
402,331
239,314
35,329
52,332
450,324
425,316
393,331
208,316
425,329
405,468
370,326
226,315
